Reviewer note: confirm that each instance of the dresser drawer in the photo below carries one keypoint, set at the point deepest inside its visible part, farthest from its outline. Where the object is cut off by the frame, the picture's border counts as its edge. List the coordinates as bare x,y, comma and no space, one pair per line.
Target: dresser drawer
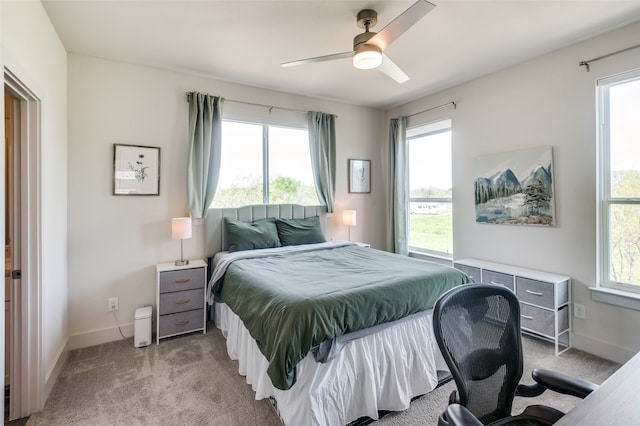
181,322
185,279
471,271
492,277
541,321
179,301
535,292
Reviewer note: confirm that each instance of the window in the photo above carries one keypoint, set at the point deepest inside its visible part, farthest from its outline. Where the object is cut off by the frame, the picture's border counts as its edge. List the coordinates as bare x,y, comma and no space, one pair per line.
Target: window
264,164
430,207
619,181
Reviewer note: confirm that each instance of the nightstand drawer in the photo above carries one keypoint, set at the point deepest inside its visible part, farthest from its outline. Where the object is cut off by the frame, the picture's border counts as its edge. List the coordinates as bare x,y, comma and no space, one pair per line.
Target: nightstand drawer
542,321
185,279
180,301
181,322
492,277
535,292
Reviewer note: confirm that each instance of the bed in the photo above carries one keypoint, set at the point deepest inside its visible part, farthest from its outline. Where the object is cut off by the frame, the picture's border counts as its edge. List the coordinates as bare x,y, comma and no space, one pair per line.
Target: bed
328,330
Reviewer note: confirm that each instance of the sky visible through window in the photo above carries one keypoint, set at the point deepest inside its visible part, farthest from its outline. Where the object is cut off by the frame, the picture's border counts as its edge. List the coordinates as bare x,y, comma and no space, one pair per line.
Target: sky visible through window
625,126
430,162
289,154
241,153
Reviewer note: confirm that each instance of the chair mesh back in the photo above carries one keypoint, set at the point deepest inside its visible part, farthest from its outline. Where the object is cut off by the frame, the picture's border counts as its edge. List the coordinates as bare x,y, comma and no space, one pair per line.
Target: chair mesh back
477,327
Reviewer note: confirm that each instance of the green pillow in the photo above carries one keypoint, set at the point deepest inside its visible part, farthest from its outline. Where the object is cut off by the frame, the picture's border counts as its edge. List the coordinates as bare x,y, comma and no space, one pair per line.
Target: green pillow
250,236
300,231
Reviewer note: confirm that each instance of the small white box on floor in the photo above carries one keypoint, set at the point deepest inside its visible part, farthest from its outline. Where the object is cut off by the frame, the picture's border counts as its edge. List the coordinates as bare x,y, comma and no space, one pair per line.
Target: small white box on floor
142,327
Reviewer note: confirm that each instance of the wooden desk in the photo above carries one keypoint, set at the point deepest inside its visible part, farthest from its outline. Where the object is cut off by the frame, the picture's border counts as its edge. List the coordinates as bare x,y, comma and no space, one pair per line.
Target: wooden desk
616,402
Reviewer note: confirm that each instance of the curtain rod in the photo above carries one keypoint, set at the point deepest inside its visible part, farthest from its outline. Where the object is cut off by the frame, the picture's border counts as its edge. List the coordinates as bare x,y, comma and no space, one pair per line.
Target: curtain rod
270,107
586,63
434,108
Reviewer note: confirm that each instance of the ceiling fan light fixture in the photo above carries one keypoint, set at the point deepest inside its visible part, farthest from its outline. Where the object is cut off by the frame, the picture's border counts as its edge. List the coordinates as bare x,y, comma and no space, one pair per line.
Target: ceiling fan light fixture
367,57
368,46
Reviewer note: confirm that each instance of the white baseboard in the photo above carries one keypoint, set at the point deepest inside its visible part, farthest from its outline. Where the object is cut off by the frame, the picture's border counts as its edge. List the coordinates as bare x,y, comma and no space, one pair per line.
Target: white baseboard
54,372
98,337
602,349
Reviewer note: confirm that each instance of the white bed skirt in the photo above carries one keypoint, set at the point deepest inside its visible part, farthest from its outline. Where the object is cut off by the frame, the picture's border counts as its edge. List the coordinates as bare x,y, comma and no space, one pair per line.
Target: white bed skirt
382,371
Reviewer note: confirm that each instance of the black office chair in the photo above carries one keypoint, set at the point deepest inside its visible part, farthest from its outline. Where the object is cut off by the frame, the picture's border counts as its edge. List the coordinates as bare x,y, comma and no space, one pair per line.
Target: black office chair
477,327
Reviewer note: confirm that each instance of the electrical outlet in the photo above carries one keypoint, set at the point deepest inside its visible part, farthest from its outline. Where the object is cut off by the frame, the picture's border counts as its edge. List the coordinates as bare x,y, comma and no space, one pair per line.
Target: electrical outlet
113,304
579,311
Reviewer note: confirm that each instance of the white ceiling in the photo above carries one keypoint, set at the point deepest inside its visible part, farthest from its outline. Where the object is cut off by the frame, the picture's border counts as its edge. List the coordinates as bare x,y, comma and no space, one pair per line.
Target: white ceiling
245,41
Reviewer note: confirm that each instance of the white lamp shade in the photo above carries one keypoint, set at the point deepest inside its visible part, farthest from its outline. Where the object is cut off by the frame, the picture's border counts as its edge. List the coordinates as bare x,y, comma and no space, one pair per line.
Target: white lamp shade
349,217
367,57
180,228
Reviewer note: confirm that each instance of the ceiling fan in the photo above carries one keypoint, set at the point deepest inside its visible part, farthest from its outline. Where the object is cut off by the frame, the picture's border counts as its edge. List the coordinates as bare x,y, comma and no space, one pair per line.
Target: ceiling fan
368,47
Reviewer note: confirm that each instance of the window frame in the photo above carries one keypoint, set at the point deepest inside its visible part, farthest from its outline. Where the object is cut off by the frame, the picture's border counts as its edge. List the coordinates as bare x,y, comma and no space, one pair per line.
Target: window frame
604,199
437,129
265,125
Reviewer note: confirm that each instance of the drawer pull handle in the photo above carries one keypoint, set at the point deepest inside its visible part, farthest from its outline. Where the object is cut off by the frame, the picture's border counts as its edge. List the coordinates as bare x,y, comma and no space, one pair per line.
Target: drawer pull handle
183,280
185,322
535,293
526,317
182,301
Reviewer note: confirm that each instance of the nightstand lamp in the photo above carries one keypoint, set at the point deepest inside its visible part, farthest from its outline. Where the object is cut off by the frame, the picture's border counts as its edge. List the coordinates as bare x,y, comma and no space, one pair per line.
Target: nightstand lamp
180,230
349,219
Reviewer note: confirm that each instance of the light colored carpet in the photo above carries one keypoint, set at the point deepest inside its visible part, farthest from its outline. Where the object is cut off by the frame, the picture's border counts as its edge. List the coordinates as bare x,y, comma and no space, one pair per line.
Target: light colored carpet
191,381
187,380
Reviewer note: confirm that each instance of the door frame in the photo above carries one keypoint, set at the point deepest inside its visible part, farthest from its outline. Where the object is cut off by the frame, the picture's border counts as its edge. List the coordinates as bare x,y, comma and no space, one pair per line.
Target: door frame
27,362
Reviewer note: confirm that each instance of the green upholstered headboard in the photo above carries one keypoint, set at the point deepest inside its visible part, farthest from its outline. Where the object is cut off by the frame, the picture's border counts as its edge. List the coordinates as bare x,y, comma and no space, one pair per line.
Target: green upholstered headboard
215,240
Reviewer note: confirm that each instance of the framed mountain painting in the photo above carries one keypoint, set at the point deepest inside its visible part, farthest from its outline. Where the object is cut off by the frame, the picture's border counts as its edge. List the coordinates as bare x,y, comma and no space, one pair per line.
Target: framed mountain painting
515,187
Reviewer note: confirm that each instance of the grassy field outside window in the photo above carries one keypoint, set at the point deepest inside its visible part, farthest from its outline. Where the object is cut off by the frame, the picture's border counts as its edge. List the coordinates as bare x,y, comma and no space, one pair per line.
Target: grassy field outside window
431,232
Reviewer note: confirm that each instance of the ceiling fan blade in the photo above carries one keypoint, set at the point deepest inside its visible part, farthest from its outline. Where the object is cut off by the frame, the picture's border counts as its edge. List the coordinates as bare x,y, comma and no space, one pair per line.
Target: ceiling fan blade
343,55
392,70
402,23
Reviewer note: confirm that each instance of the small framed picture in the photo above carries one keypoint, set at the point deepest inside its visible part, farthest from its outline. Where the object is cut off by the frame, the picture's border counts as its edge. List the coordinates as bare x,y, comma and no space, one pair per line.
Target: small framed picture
136,170
360,176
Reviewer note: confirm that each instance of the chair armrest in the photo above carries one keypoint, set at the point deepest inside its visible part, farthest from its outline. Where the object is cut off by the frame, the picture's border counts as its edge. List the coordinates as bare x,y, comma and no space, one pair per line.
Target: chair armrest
562,383
530,391
458,415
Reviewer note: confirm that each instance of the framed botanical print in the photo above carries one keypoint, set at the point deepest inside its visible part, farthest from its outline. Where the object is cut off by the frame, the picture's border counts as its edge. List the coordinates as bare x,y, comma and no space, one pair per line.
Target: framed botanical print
136,170
359,176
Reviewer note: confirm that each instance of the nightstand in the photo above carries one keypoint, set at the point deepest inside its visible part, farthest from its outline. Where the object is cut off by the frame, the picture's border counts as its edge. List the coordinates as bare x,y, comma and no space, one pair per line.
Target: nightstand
180,298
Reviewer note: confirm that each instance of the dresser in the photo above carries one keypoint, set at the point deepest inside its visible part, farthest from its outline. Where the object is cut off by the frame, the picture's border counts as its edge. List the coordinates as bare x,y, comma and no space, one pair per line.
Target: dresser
545,298
180,298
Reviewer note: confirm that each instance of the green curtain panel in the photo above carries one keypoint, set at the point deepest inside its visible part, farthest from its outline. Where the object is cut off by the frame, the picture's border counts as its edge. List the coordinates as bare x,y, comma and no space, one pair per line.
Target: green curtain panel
399,172
322,145
205,146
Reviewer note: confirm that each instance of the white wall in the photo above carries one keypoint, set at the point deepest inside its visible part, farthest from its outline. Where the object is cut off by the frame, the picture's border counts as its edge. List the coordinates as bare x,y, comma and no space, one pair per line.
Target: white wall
32,51
116,241
546,101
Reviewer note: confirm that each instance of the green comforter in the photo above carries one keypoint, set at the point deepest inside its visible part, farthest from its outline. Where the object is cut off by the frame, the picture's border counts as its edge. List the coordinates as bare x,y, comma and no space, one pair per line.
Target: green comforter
294,302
